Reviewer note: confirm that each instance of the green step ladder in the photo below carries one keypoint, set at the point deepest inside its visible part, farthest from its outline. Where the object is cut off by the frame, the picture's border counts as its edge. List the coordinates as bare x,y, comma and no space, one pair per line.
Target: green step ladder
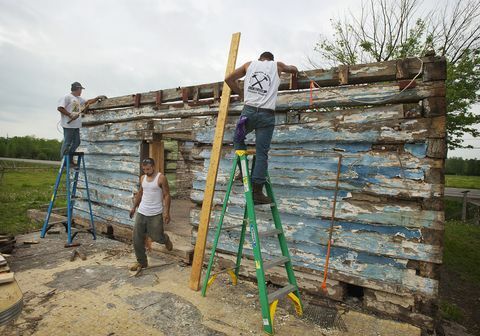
268,301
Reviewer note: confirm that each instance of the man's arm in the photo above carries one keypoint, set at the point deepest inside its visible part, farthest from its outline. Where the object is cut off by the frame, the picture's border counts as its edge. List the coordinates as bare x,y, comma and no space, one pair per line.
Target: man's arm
163,183
63,111
231,79
138,199
282,67
94,100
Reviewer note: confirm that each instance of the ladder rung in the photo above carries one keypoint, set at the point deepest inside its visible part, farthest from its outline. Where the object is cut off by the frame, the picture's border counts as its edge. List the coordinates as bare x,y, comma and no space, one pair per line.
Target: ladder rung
226,228
281,293
269,232
275,262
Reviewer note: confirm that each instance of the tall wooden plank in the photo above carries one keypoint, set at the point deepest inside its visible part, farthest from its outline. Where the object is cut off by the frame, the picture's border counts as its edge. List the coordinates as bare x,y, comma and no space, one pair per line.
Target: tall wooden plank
212,170
156,152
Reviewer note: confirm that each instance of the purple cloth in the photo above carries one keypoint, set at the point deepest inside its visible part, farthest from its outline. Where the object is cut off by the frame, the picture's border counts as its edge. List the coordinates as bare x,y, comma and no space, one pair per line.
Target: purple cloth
240,130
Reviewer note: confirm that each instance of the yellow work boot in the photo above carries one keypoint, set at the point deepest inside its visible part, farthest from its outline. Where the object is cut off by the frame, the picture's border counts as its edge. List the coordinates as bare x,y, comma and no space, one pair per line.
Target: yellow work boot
137,266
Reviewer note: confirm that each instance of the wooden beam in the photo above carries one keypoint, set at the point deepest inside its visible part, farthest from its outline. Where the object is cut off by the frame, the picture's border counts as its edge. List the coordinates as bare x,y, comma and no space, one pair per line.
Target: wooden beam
343,96
359,73
213,170
156,152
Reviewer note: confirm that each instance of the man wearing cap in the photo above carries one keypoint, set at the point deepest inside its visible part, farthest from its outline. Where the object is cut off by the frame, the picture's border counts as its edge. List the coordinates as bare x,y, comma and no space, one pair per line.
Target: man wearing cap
262,79
70,107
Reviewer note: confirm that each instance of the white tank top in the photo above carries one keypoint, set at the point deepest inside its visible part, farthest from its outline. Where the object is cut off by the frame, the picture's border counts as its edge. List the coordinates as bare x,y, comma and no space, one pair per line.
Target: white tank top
152,198
261,84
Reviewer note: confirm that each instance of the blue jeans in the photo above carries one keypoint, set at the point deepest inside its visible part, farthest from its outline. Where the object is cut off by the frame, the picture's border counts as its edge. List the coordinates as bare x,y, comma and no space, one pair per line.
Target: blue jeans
71,140
263,123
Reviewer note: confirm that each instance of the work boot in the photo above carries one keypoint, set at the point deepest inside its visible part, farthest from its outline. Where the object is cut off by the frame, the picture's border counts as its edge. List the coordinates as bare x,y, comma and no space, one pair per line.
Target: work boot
137,266
258,196
168,243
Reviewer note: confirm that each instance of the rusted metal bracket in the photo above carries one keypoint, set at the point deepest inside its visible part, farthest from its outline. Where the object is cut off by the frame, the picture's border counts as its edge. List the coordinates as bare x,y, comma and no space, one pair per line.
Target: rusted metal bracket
293,81
185,94
136,99
216,92
407,84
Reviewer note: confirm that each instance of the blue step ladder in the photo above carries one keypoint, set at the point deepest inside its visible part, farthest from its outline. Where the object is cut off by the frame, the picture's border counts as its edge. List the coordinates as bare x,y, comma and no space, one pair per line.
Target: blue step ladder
71,189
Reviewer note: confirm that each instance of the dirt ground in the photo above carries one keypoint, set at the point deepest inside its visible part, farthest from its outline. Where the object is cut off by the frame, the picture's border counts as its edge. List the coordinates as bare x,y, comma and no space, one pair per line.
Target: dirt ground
99,296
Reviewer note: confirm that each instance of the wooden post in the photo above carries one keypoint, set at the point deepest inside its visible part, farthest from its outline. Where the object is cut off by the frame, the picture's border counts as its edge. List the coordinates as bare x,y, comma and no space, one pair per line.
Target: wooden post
464,207
213,170
156,152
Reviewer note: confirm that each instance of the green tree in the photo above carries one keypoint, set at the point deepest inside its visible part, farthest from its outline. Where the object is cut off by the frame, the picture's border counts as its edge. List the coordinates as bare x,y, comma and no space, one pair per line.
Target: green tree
388,29
30,147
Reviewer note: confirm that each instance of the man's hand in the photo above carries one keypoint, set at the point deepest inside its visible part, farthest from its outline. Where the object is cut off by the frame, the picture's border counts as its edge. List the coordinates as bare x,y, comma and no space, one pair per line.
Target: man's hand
132,212
74,116
166,218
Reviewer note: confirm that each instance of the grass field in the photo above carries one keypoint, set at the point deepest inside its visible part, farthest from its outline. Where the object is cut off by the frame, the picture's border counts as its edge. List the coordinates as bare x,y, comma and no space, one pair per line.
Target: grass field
461,250
457,181
27,186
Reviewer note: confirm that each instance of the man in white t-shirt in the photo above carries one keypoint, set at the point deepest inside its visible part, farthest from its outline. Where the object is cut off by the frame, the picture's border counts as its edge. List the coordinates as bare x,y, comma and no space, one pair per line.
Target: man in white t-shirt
70,107
260,89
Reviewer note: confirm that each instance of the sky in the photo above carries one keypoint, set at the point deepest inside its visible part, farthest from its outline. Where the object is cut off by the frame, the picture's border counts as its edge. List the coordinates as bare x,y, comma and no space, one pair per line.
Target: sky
119,47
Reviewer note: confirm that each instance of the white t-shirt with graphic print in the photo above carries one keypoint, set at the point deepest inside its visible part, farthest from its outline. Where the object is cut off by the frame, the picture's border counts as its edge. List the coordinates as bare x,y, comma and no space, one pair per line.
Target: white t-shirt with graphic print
73,105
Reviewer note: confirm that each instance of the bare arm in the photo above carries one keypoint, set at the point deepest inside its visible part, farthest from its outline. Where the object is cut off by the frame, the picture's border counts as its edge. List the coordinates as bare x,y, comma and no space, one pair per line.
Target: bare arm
231,79
94,100
138,199
282,67
163,183
63,111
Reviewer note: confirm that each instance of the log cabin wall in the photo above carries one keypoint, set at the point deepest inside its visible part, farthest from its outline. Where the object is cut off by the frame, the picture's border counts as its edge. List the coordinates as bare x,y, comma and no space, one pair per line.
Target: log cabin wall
389,120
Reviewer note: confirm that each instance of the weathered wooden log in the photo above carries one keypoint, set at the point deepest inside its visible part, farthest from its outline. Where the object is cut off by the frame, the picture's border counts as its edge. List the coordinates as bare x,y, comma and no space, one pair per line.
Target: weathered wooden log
391,241
351,95
318,203
362,73
371,271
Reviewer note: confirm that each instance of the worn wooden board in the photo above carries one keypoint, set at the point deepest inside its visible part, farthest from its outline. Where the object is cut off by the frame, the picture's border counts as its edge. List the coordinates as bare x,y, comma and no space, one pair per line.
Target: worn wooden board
352,95
393,241
361,73
199,252
319,203
7,277
373,270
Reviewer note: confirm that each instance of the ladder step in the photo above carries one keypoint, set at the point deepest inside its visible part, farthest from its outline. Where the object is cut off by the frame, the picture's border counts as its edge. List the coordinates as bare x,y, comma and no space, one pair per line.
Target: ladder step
269,232
284,291
275,262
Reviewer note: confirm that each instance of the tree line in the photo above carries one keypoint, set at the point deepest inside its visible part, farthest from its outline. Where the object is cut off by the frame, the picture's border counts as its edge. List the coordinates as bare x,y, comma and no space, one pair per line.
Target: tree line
30,147
460,166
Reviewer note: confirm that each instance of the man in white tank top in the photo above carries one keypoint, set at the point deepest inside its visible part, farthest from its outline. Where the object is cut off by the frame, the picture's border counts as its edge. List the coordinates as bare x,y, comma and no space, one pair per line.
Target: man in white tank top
153,203
262,79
